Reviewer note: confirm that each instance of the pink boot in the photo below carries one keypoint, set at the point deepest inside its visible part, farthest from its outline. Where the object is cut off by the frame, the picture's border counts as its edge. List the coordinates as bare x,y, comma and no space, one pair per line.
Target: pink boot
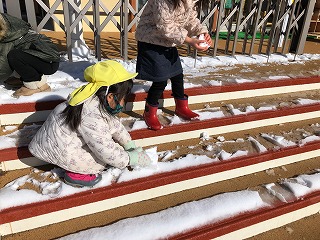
183,110
151,118
81,180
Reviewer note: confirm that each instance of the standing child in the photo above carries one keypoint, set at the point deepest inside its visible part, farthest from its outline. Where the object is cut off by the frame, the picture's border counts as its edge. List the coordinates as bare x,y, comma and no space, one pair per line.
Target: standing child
83,136
163,25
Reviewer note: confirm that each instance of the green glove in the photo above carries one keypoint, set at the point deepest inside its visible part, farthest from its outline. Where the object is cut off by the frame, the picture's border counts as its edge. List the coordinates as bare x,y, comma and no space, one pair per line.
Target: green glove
139,158
129,146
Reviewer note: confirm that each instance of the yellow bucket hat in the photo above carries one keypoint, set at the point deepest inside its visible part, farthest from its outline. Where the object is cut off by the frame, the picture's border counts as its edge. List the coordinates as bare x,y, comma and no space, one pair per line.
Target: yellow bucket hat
104,73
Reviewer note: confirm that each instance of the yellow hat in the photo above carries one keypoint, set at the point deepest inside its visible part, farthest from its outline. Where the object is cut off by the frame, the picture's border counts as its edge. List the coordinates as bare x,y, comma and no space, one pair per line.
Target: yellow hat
104,73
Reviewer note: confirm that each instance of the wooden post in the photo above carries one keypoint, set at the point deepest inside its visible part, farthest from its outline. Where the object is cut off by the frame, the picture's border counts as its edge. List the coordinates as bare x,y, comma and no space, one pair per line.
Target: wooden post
133,3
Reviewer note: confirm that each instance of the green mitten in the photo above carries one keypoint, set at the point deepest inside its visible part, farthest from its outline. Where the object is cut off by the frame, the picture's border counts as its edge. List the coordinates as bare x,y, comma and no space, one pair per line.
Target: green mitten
139,158
129,146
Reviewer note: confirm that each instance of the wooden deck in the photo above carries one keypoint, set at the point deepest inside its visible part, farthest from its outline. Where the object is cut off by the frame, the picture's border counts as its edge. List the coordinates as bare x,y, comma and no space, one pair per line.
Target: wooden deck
110,45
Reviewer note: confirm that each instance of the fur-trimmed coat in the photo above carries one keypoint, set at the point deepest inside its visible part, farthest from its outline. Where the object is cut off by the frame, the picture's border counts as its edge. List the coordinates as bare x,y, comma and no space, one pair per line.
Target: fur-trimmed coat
97,143
15,33
161,25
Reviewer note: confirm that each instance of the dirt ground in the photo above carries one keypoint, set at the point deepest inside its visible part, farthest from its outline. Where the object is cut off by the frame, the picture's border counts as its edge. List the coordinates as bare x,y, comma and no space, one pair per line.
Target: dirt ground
307,228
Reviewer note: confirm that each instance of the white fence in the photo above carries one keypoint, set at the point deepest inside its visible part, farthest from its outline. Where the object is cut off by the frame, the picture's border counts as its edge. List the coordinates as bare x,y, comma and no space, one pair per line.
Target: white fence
270,25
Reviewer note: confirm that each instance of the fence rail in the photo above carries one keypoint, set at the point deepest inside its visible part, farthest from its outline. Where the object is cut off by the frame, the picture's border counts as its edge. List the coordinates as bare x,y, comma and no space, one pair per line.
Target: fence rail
272,25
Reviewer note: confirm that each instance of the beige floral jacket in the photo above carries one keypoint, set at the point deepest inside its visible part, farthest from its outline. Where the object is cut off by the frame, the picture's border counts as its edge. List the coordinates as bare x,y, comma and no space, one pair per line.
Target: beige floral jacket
97,143
161,25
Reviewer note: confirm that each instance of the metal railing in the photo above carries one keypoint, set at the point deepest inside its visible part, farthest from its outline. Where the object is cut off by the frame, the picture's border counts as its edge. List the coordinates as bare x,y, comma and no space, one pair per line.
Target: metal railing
262,26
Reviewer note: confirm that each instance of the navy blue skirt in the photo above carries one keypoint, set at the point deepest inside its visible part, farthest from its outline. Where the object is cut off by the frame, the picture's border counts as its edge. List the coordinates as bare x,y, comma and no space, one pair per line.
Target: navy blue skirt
157,63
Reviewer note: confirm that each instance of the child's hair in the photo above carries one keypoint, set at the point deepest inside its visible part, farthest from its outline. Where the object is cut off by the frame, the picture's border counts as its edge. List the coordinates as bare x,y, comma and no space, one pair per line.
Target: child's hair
72,114
176,3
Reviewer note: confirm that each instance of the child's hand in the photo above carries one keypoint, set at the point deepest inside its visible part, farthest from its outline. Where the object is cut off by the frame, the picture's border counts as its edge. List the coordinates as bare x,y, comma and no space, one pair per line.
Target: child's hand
139,158
208,39
203,44
129,146
199,44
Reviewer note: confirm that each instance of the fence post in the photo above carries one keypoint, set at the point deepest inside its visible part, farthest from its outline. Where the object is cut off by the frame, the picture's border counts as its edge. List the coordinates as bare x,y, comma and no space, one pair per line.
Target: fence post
288,30
239,18
298,41
255,26
133,3
97,30
273,31
31,14
1,7
13,8
280,22
67,28
220,15
124,29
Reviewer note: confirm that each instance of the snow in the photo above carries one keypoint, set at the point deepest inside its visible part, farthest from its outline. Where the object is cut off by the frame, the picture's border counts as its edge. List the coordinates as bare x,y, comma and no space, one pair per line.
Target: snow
157,225
70,74
177,219
257,145
108,177
21,137
278,140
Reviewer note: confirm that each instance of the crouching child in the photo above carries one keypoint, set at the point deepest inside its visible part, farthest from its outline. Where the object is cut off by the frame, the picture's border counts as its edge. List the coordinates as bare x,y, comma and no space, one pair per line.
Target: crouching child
83,136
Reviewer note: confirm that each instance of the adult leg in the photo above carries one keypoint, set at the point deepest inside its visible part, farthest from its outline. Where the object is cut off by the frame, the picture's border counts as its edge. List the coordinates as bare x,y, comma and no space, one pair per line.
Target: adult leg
31,70
181,100
150,111
29,67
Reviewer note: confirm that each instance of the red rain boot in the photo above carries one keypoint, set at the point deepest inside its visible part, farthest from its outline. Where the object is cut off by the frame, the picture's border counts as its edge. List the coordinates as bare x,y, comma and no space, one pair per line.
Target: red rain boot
183,110
150,117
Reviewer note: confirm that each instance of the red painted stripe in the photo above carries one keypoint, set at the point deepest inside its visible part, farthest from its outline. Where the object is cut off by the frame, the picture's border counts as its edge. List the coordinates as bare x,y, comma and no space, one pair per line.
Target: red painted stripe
22,152
12,108
216,122
48,105
14,153
195,91
247,219
119,189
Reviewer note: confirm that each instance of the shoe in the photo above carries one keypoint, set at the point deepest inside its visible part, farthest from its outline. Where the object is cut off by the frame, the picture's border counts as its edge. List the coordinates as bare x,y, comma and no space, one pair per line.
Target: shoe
183,110
24,91
13,82
81,180
151,118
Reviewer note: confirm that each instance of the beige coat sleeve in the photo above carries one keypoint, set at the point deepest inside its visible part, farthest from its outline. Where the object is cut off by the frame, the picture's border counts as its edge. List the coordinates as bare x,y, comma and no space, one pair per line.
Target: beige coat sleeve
105,138
193,24
176,25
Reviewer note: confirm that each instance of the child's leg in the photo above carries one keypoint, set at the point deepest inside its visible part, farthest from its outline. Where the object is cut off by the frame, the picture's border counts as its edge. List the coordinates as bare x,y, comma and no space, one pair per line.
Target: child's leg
181,100
155,92
150,111
31,70
177,86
